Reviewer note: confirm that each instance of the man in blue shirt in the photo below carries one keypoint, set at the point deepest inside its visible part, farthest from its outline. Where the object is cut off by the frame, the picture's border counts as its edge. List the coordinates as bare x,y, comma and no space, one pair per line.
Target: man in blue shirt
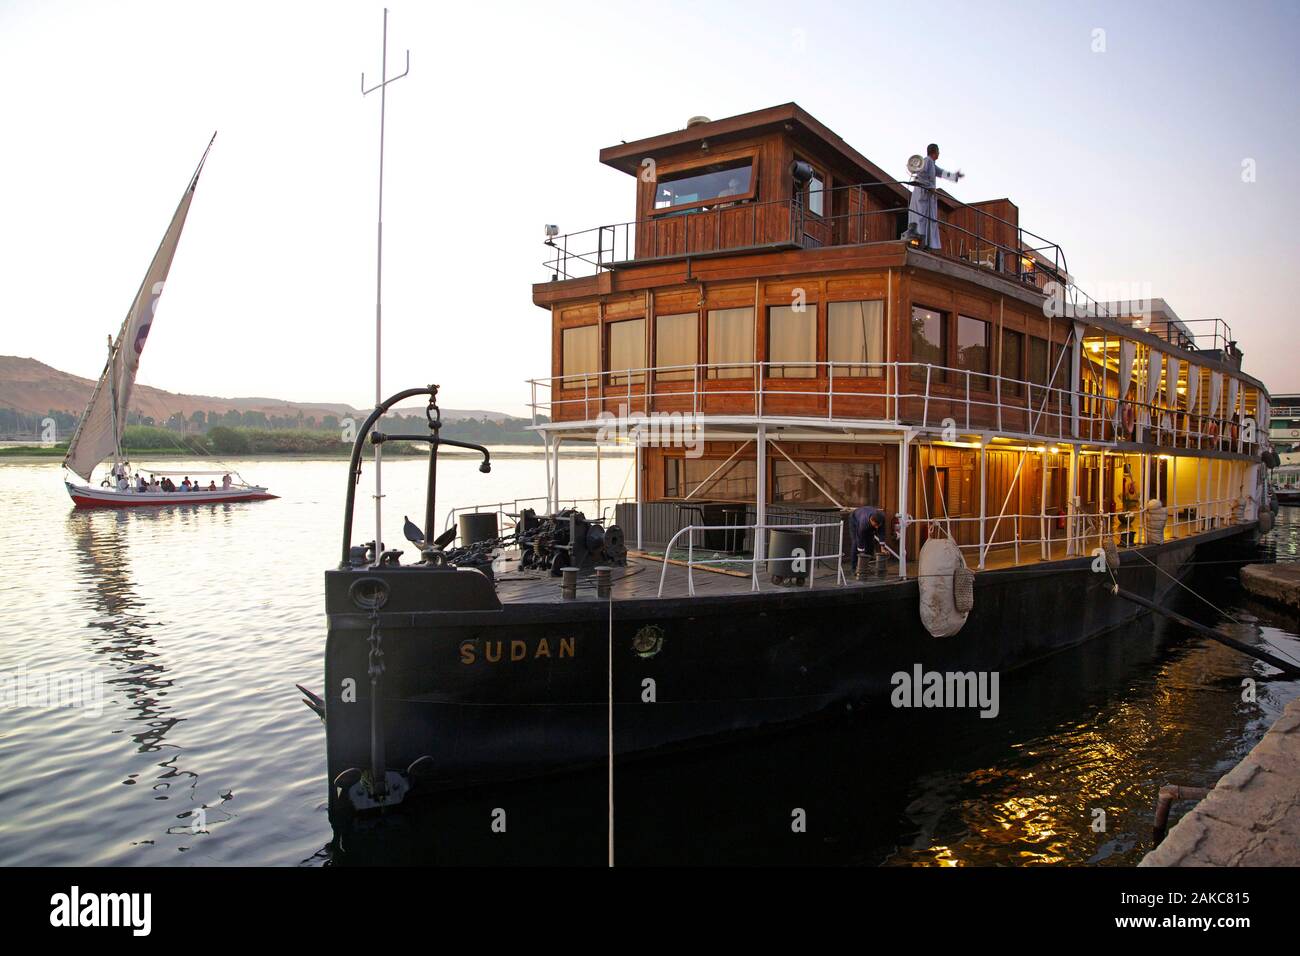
867,525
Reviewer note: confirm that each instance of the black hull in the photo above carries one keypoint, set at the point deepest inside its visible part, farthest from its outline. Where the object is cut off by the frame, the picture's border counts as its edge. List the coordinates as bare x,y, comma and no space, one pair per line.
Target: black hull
522,690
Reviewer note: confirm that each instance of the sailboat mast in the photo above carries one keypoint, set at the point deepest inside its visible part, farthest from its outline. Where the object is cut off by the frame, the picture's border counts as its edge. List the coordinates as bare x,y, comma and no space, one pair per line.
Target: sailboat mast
112,392
382,87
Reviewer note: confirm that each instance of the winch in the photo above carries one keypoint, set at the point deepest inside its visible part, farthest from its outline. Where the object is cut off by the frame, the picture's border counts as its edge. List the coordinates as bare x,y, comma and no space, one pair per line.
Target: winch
567,538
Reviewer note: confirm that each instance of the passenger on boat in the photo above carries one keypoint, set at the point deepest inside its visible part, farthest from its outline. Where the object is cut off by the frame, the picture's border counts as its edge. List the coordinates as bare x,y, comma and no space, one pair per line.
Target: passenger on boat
185,483
867,525
168,485
225,482
141,484
923,210
212,486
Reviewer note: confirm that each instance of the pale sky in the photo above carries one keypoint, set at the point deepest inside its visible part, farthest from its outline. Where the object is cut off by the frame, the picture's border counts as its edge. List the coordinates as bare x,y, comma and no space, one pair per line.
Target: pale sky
1131,158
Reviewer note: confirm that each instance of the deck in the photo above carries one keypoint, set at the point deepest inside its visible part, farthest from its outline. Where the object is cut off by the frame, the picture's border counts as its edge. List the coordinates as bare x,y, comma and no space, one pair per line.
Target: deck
640,579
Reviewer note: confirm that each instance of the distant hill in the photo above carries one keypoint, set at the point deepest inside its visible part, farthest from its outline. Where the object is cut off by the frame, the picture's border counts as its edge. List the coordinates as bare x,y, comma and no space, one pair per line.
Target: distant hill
34,388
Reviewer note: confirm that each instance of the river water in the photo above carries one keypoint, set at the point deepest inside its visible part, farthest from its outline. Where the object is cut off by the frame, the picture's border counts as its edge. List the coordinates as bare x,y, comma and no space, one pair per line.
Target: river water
184,630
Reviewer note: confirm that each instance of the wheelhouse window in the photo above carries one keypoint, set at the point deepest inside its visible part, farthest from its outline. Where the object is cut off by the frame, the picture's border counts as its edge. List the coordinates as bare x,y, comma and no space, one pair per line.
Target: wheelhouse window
719,181
855,337
677,343
929,343
792,341
974,350
580,356
1013,362
731,342
626,350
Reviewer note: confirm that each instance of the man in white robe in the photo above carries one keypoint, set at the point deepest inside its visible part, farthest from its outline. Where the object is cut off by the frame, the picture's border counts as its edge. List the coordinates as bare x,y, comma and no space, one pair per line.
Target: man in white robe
923,210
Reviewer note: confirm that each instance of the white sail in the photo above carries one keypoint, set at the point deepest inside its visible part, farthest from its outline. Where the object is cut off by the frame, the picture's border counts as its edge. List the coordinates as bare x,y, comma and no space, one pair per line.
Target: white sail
99,433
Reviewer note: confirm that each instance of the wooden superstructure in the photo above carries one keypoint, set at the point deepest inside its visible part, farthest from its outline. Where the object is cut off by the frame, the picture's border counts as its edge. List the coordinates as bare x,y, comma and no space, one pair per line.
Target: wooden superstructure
764,295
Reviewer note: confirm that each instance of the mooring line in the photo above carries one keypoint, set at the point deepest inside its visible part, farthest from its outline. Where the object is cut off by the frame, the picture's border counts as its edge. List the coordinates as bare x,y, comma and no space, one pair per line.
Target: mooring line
1220,610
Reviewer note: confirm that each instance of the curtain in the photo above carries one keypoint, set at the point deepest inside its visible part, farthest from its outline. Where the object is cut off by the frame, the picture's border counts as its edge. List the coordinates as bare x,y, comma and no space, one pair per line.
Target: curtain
731,339
792,341
856,337
1126,352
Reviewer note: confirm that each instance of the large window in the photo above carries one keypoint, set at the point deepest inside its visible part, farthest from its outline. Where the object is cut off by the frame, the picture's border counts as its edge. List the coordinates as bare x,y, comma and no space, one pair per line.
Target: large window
626,351
731,340
1013,362
677,342
792,341
855,337
709,479
580,356
703,183
836,483
929,342
1036,369
974,351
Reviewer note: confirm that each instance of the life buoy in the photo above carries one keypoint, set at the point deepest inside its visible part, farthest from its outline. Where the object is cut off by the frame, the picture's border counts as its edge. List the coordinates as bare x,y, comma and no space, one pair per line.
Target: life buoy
1127,419
1234,432
1212,430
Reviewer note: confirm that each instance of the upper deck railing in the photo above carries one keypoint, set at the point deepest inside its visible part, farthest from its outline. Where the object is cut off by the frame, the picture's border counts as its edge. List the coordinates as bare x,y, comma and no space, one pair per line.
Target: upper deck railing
987,241
933,397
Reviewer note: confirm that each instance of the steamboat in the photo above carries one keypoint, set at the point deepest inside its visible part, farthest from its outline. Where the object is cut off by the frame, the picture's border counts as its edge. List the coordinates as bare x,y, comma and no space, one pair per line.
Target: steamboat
1033,449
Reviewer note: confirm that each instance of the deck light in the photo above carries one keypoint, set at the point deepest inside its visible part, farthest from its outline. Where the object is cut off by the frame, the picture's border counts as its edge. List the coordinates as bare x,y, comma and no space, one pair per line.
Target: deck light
551,232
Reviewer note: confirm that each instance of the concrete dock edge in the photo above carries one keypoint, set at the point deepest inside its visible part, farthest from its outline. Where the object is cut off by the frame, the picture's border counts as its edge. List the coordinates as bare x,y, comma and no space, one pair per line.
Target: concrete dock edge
1252,816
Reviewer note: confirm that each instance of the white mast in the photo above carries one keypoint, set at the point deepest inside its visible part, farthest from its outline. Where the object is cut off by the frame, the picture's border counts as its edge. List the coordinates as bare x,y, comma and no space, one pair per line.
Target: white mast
382,87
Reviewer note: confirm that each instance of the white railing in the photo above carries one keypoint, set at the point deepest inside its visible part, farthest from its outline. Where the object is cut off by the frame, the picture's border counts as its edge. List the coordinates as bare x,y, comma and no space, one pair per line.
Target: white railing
1083,528
912,393
753,561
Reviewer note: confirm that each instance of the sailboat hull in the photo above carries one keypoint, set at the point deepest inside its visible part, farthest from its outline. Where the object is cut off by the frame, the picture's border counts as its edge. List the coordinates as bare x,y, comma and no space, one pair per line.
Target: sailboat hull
84,496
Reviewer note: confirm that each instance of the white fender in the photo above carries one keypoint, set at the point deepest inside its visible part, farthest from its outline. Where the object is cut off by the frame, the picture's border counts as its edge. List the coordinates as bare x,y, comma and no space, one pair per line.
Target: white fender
940,558
1156,517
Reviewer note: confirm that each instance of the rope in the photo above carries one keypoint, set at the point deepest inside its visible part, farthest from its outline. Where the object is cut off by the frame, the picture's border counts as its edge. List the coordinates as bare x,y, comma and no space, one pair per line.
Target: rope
1207,601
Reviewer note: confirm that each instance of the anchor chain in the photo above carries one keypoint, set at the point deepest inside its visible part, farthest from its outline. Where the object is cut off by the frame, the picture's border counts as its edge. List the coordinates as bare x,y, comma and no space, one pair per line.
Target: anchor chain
375,671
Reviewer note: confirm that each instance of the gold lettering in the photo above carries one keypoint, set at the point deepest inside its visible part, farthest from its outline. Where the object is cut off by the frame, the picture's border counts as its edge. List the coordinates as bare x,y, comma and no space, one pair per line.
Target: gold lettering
543,648
488,649
566,646
518,650
467,652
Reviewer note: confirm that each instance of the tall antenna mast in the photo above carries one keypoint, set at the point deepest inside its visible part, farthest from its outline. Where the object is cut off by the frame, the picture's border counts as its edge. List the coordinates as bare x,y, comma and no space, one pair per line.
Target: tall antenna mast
382,87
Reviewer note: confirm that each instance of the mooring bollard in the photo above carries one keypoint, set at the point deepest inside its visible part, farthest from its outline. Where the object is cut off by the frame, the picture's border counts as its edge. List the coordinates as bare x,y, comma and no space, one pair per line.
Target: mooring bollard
882,565
602,582
569,583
